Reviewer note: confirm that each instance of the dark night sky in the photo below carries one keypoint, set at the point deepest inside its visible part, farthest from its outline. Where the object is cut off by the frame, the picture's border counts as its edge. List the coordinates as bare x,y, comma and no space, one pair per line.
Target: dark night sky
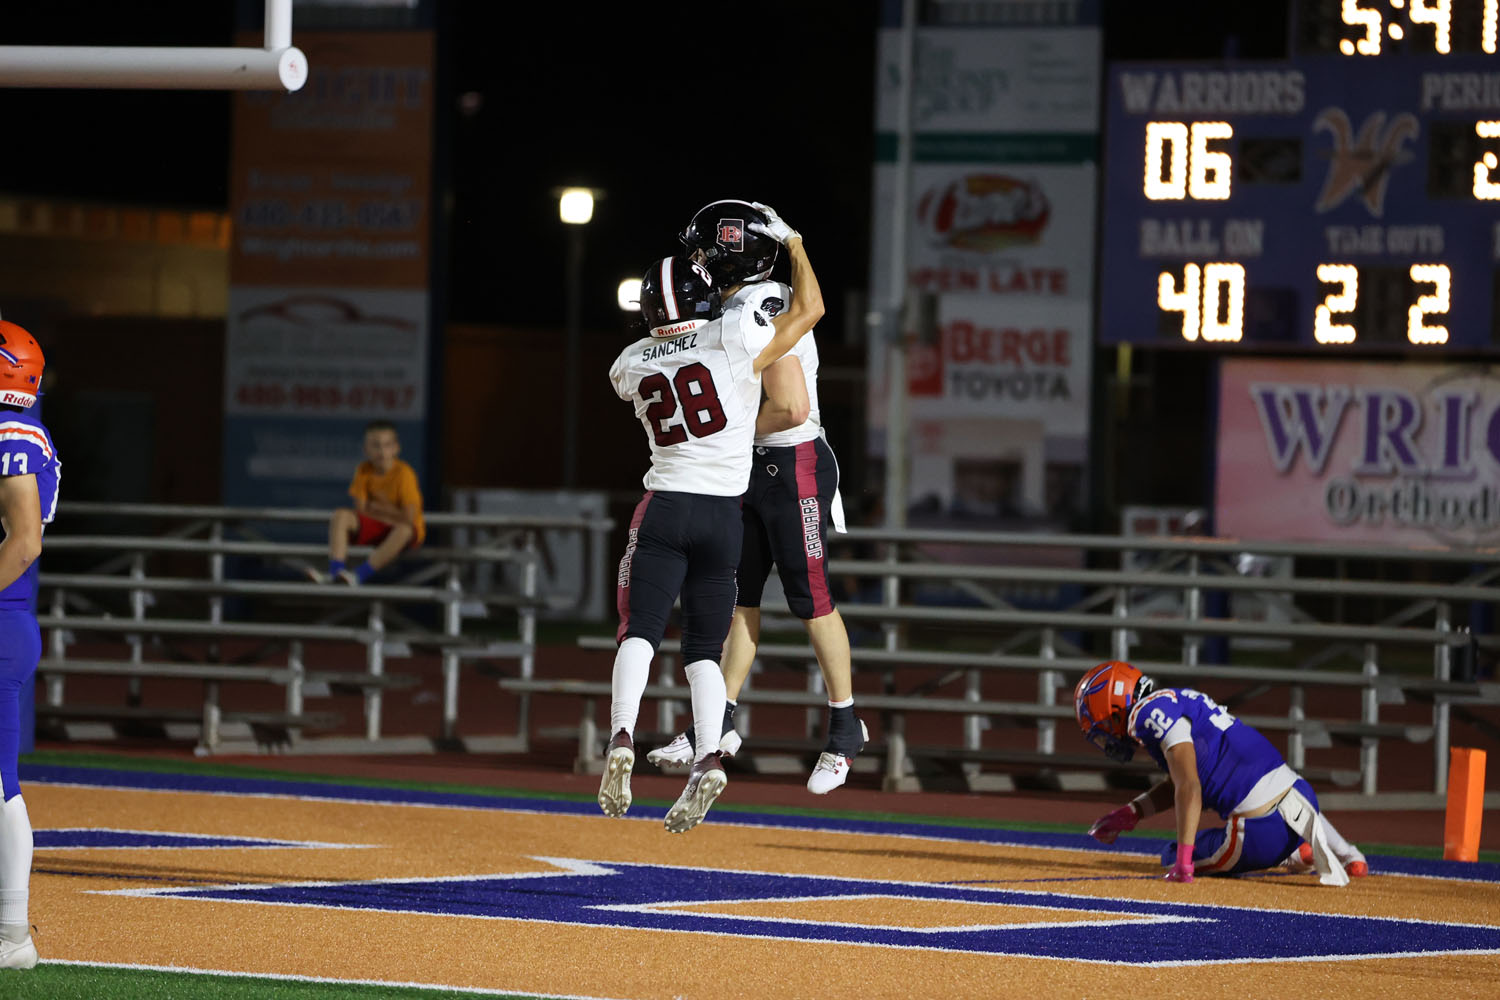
664,105
665,117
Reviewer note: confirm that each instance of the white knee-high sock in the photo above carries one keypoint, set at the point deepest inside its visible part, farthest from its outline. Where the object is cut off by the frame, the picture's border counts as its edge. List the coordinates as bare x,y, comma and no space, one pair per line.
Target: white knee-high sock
15,869
1342,849
628,683
707,685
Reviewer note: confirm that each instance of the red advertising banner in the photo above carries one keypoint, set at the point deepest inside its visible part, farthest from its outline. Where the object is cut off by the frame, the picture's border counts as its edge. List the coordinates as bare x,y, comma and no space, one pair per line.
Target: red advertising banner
1385,453
999,411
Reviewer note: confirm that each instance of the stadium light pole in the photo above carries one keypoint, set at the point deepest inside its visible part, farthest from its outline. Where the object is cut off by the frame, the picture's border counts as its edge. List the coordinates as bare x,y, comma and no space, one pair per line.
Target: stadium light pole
575,207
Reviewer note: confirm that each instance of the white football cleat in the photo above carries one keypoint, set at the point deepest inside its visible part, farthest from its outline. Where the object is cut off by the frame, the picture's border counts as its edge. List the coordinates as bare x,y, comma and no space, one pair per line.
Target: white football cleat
18,954
614,786
1301,862
706,780
832,769
678,753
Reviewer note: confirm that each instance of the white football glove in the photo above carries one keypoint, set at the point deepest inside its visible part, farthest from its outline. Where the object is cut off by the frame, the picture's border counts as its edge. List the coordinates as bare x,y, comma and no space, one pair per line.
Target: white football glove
774,227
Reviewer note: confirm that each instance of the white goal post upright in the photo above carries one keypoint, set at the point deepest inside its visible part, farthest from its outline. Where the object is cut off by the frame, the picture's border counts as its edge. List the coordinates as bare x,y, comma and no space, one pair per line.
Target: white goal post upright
277,66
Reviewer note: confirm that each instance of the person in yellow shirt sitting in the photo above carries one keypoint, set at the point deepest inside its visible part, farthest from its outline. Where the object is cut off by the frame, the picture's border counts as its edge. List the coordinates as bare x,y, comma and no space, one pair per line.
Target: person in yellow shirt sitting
387,511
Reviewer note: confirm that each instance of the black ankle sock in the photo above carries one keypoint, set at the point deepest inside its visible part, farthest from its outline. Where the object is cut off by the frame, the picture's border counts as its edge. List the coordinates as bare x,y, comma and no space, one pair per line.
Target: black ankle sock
729,708
843,731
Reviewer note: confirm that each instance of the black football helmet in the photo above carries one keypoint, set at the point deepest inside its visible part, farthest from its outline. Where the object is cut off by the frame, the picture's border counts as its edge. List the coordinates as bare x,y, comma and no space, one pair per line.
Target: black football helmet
677,296
731,252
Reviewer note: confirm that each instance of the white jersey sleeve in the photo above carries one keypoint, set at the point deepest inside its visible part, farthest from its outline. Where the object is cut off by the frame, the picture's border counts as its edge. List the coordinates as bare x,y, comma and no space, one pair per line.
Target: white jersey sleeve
619,371
754,325
770,297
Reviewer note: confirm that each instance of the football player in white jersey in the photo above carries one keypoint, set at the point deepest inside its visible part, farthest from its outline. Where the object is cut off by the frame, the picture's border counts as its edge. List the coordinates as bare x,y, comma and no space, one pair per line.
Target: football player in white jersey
695,383
792,499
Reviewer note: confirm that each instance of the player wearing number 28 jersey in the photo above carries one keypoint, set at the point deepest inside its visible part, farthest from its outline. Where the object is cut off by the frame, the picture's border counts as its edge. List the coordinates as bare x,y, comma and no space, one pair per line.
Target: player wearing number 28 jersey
695,386
1215,760
696,391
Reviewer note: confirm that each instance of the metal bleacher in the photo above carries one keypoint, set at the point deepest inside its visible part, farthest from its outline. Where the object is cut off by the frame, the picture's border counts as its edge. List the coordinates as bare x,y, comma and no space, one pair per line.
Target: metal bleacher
1350,624
111,596
940,620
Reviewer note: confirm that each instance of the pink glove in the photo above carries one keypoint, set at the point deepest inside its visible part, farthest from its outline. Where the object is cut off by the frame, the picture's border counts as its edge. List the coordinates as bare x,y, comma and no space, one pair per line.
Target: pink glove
1182,871
1107,828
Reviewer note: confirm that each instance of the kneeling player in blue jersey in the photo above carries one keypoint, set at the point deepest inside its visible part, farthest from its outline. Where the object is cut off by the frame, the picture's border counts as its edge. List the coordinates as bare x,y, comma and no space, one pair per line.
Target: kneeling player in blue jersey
1212,759
28,499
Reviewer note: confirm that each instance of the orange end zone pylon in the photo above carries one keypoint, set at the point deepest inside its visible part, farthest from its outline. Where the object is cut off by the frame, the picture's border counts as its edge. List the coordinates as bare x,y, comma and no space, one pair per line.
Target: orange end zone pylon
1465,804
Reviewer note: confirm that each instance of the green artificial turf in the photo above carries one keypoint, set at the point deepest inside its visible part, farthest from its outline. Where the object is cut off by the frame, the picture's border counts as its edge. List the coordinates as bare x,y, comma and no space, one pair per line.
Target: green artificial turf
86,982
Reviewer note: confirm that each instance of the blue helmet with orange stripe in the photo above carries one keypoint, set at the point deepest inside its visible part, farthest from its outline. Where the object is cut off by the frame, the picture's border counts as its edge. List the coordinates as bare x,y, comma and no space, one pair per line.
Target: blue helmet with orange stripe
1102,702
21,365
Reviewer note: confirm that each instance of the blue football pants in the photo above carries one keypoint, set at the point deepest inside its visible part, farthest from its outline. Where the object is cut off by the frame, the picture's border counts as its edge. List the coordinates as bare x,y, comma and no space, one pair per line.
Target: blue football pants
20,649
1244,845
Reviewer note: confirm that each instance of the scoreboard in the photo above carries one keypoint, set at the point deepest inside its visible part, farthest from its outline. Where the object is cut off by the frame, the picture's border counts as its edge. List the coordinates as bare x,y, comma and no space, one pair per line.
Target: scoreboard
1345,199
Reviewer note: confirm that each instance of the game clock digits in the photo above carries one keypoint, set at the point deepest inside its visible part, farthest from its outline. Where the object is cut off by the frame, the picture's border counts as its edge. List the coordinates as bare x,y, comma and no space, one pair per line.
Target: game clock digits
1346,199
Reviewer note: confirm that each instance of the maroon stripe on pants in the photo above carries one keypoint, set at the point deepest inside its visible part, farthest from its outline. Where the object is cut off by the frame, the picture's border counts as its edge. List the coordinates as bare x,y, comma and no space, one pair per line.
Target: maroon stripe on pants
622,579
812,527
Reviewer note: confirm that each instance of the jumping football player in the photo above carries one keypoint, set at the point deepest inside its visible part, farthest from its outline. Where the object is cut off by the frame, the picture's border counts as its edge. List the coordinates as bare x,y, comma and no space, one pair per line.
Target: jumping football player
29,471
695,383
1211,758
793,495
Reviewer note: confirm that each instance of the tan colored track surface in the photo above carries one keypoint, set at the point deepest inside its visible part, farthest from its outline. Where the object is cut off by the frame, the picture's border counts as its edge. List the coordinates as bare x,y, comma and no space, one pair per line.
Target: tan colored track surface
75,922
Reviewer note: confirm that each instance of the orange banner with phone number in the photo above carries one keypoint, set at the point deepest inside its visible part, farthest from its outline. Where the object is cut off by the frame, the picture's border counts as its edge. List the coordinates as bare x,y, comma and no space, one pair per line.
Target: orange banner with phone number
329,267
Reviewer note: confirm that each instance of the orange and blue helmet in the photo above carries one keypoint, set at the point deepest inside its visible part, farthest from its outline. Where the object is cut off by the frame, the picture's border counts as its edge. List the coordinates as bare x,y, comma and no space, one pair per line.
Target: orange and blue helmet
21,364
1103,700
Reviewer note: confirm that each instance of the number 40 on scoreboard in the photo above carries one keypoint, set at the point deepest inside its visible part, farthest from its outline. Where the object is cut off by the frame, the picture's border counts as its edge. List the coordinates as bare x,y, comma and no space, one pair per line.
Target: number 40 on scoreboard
1185,161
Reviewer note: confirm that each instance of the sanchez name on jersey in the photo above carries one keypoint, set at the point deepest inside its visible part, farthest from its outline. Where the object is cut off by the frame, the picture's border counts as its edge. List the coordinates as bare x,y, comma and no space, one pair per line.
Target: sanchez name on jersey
697,395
